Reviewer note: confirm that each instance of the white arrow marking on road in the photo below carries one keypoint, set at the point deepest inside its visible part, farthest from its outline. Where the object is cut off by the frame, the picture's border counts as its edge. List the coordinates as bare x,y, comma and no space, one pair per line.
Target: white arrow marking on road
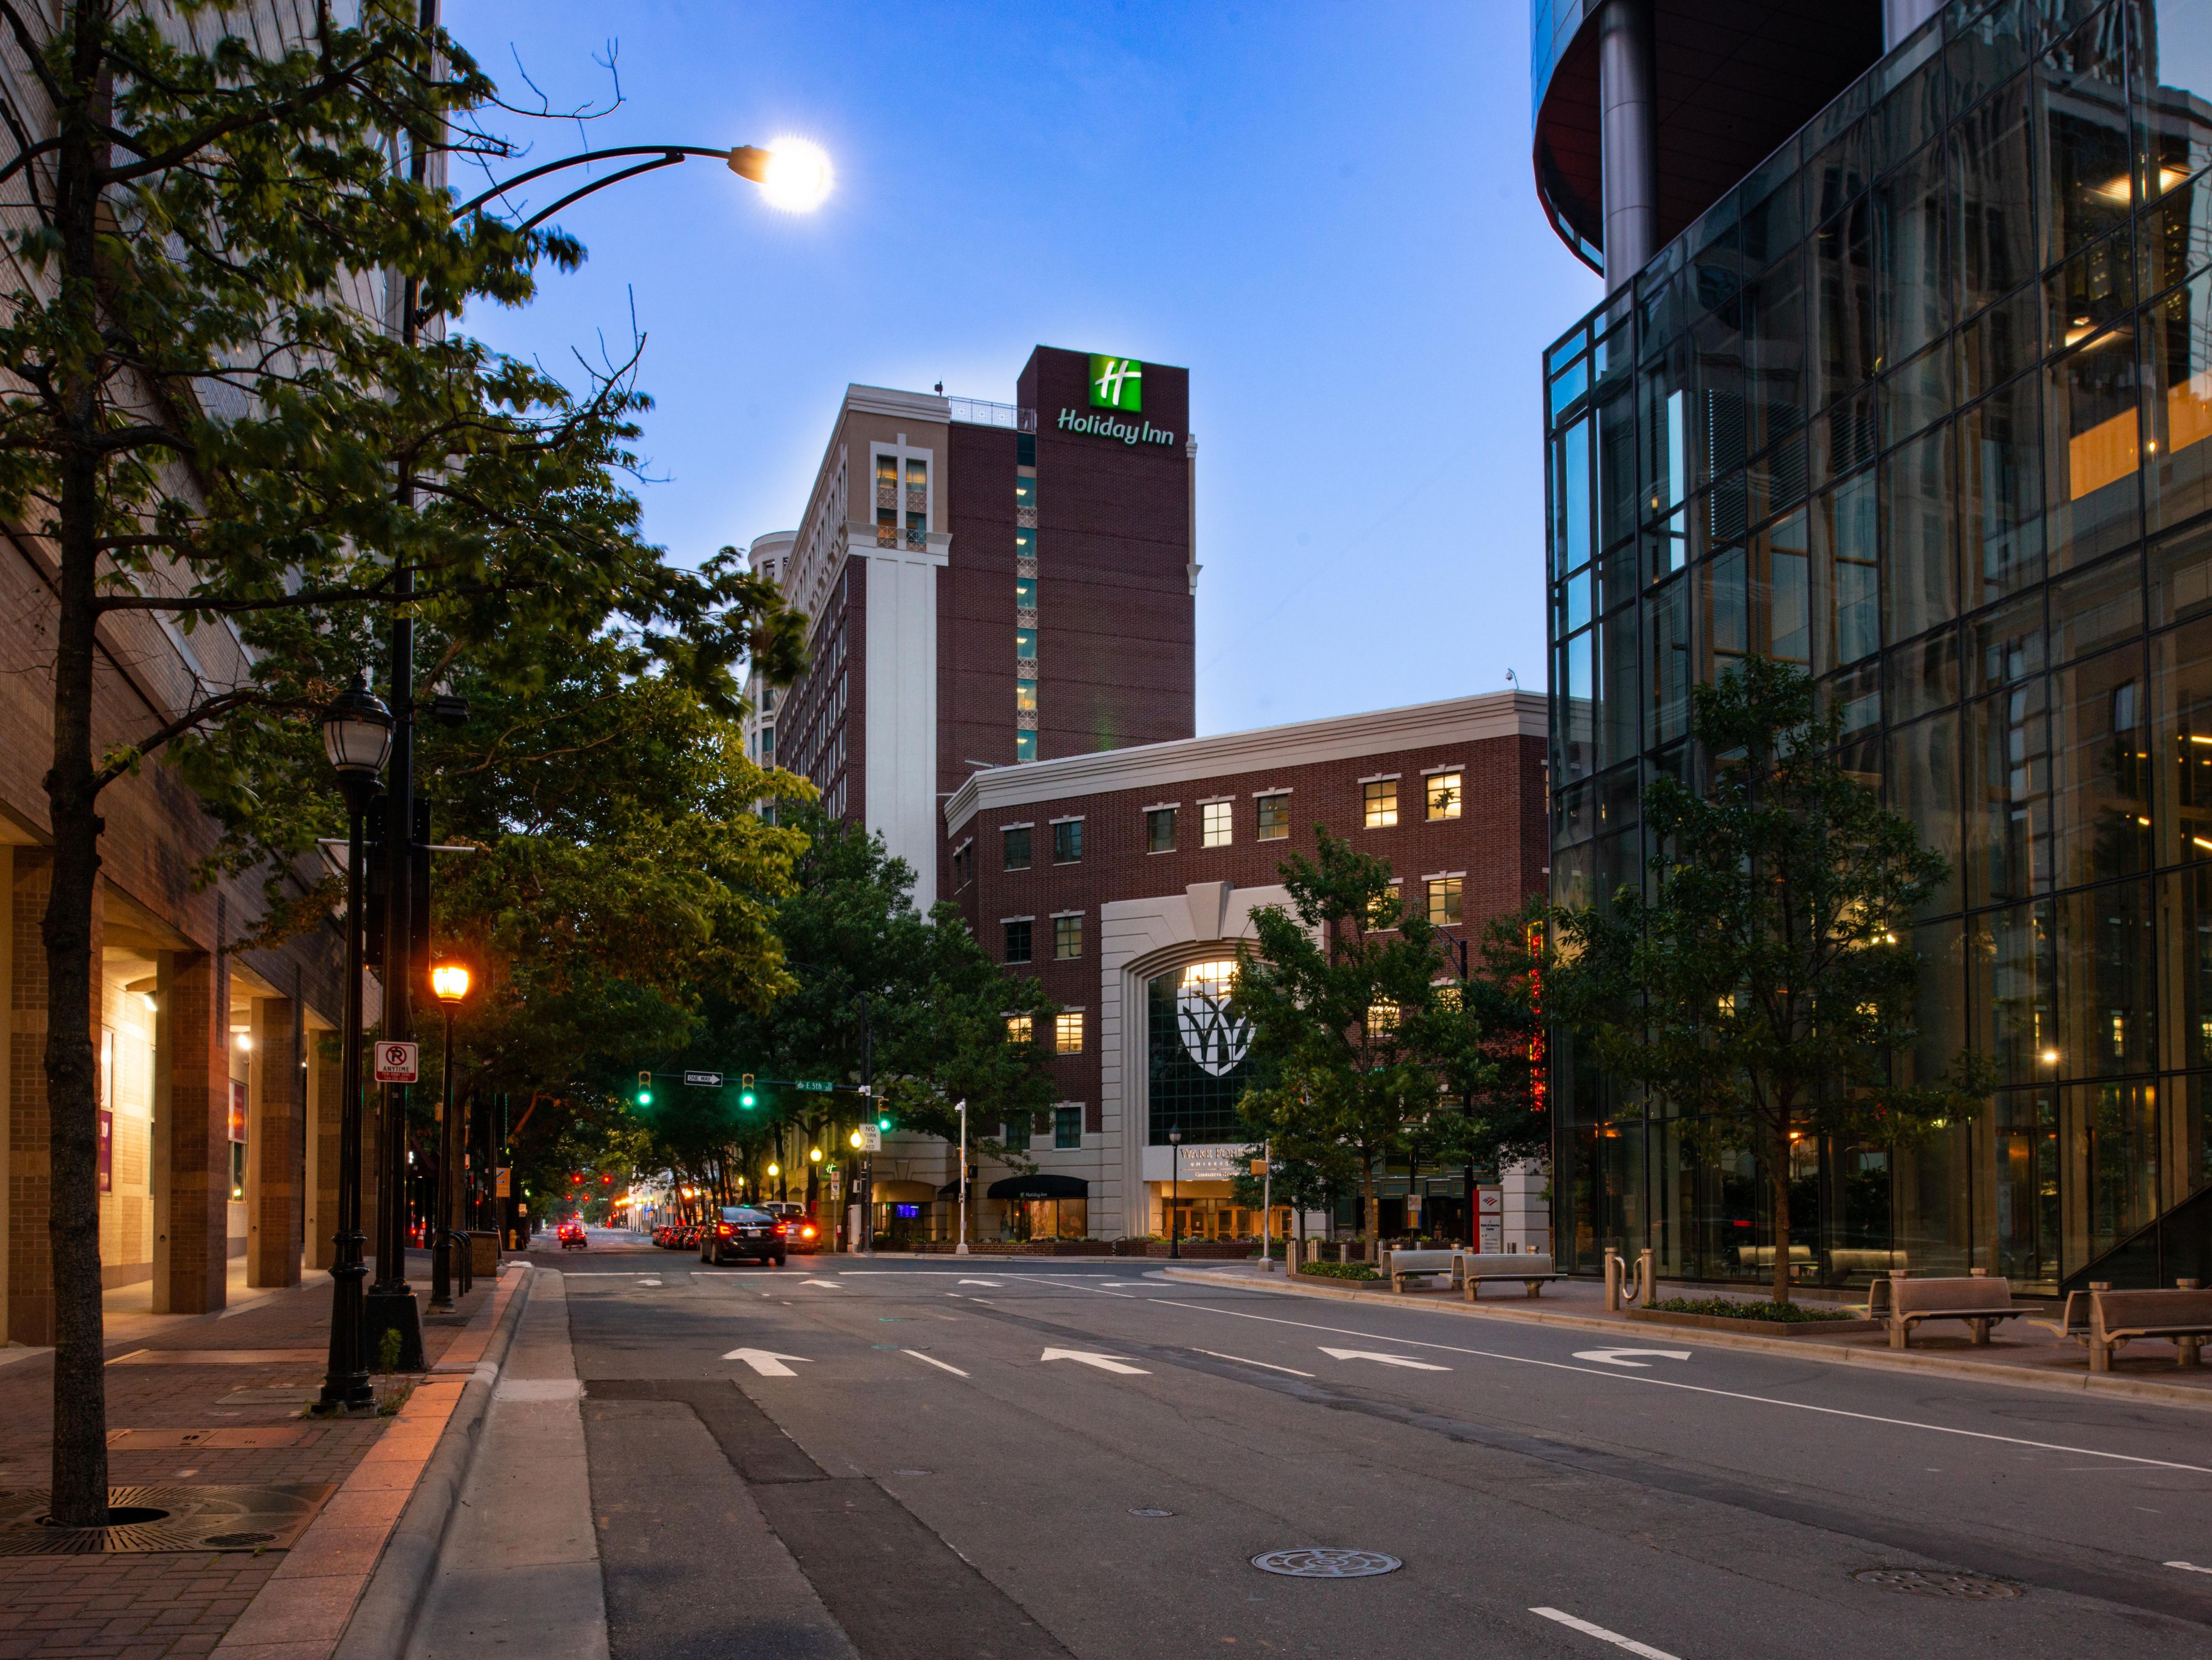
1603,1635
648,1282
1619,1357
927,1361
830,1285
1387,1359
992,1283
2189,1567
1103,1362
766,1362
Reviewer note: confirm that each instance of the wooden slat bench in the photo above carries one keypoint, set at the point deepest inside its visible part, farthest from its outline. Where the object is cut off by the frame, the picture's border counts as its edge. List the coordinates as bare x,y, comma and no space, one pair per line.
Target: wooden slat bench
1405,1264
2182,1316
1978,1301
1532,1268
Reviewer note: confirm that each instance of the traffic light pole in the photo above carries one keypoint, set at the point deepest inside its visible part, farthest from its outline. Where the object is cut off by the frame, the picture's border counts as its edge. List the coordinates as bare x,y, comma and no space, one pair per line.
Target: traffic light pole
865,1245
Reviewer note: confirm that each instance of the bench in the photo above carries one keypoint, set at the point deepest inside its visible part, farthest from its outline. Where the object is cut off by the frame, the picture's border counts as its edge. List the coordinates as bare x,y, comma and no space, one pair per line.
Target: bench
1762,1257
2182,1316
1979,1301
1848,1260
2073,1322
1404,1264
1531,1269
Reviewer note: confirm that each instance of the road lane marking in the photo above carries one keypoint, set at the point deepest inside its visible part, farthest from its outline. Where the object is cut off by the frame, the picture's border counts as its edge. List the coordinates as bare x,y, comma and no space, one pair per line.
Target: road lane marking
926,1361
1269,1366
827,1285
993,1284
648,1282
2189,1567
1605,1636
1619,1357
1103,1362
1385,1359
1694,1389
766,1362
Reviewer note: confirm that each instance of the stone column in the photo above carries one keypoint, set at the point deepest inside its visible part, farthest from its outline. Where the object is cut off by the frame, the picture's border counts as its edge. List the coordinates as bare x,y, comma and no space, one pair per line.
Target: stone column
274,1139
192,1137
323,1074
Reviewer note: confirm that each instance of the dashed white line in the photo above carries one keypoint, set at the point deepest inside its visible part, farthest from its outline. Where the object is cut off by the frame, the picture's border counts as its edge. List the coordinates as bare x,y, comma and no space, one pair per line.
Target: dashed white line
927,1361
1264,1364
1605,1636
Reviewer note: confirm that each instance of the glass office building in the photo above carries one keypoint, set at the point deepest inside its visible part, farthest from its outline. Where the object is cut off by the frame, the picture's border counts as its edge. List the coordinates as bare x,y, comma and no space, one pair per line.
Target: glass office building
1922,401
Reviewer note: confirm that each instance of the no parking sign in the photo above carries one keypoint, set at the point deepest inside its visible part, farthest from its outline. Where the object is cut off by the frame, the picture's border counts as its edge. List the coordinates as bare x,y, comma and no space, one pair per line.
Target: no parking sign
397,1063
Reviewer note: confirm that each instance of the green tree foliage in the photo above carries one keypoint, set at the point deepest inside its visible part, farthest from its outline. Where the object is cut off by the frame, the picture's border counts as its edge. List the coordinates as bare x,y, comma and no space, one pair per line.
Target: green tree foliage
1765,989
211,417
1364,1052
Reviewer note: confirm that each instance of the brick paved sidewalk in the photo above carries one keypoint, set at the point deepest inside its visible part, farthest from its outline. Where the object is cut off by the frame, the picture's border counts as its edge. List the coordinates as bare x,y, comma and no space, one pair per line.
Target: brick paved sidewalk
214,1424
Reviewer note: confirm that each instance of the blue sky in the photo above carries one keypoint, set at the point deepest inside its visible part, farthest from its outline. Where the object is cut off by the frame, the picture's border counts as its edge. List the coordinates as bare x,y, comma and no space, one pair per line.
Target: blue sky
1323,209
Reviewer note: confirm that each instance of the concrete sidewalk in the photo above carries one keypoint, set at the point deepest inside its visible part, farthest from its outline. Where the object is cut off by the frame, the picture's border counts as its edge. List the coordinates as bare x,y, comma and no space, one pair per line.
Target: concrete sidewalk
200,1400
2019,1353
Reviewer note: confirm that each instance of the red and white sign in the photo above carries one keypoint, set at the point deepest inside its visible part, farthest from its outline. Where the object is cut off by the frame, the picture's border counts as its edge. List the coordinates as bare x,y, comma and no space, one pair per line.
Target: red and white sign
397,1063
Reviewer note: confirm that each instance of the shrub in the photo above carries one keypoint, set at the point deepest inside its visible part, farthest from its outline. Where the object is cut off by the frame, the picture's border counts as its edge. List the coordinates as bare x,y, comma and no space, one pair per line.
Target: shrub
1340,1270
1728,1309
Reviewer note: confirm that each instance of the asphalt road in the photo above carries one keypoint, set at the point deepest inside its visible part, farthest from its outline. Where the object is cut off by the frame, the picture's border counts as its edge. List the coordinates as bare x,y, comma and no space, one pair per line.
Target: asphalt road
895,1458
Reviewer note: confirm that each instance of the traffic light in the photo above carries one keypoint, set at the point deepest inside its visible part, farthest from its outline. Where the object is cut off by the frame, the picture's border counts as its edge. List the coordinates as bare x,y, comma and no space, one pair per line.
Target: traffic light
747,1098
883,1119
645,1089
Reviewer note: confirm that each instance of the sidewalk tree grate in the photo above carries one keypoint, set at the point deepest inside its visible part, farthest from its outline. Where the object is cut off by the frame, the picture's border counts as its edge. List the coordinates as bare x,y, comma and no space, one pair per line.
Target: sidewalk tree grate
146,1519
1974,1587
1326,1562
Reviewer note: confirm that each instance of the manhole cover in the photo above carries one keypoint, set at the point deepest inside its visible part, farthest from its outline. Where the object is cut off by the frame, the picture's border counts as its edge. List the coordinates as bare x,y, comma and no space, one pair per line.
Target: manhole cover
164,1518
1326,1562
1150,1511
1972,1586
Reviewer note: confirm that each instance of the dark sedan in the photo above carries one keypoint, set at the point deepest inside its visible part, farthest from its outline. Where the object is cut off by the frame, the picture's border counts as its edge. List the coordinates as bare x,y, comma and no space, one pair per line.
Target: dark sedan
739,1233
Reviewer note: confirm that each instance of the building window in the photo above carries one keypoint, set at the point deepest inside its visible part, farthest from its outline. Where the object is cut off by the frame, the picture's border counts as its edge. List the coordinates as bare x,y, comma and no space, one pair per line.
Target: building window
1019,1030
1443,795
1025,594
1067,1033
1382,1018
1216,820
1443,900
1025,696
1067,841
1274,817
1025,644
1017,848
1382,911
1025,489
1066,937
1025,746
887,514
1159,829
1067,1128
1017,1127
1017,940
917,503
1381,796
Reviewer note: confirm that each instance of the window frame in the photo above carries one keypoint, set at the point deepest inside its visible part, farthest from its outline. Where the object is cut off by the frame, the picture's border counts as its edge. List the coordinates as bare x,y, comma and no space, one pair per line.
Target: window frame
1218,816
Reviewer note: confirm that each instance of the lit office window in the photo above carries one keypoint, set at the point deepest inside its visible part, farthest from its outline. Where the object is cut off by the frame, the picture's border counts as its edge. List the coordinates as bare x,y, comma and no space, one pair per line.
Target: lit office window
1159,829
1216,824
1025,594
1274,817
1025,696
1067,1128
1383,911
1382,1018
1381,797
887,513
1018,1029
1025,746
1067,841
1066,937
1067,1033
1025,489
1443,795
1443,900
1017,848
917,503
1025,644
1017,941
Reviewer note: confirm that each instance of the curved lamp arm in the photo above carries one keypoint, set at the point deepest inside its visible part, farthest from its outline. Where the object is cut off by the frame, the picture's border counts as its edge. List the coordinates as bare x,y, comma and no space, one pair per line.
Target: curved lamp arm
744,160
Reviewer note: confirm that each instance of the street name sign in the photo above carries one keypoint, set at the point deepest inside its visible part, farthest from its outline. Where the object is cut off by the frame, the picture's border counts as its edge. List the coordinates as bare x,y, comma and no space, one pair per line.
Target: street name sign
810,1083
397,1063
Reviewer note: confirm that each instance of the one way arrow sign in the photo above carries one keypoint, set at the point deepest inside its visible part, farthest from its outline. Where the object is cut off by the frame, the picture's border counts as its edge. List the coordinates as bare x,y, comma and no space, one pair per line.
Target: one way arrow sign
1103,1362
1387,1359
766,1362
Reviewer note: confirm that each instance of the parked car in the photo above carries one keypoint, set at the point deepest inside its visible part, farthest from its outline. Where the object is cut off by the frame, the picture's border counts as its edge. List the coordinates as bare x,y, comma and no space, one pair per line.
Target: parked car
572,1236
740,1232
801,1232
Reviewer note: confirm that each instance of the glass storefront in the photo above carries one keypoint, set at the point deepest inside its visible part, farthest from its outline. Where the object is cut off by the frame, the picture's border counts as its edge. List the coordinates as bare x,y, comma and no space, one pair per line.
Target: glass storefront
1924,404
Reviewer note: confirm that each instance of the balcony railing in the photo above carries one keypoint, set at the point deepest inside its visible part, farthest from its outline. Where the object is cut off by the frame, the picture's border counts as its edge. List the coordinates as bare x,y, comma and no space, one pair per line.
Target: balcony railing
974,412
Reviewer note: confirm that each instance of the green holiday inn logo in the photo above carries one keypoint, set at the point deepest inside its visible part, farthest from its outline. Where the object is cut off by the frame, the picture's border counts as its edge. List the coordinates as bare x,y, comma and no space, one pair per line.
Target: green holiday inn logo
1117,383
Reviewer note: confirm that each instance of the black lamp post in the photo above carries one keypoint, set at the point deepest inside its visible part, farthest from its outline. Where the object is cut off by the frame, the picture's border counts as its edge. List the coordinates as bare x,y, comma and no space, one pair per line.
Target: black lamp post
1175,1194
450,982
1457,946
358,737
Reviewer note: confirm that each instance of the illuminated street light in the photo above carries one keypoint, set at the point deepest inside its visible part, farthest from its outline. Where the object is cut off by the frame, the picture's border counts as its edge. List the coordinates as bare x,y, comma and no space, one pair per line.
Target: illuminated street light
794,175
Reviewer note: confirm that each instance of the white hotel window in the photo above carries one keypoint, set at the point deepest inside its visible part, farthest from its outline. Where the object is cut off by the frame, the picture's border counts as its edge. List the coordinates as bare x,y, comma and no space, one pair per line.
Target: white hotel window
1216,822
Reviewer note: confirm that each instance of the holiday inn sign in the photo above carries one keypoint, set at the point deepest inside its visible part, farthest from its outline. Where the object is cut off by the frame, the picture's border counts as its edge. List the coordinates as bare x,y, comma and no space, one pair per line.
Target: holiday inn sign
1116,384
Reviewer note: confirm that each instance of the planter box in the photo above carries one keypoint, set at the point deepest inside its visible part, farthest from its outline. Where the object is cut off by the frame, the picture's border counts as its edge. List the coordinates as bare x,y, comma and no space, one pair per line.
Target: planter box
1019,1247
1760,1327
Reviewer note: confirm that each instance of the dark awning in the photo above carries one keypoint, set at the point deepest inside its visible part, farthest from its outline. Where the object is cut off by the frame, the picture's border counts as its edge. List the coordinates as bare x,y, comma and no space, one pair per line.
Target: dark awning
1040,1187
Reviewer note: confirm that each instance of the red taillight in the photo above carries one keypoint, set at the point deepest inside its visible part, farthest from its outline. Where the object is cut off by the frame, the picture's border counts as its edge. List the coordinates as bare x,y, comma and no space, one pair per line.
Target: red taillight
806,1232
723,1229
778,1228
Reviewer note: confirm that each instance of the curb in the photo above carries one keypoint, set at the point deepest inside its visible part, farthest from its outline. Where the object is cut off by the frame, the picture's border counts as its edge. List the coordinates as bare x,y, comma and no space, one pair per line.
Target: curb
1797,1348
383,1619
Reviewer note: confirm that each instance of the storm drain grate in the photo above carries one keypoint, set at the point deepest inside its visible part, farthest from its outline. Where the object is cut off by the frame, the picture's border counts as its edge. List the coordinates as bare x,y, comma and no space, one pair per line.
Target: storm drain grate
164,1518
1326,1562
1974,1587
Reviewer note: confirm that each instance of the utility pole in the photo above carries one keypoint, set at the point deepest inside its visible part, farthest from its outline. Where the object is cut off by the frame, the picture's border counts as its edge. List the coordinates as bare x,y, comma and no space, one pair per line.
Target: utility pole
961,1249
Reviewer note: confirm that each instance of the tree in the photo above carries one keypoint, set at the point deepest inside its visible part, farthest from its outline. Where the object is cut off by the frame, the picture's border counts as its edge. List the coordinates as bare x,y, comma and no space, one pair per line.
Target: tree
1765,989
1361,1045
213,414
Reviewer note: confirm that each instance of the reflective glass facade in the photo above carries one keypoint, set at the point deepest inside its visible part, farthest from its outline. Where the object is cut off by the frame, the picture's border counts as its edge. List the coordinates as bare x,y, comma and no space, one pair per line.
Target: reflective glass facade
1925,406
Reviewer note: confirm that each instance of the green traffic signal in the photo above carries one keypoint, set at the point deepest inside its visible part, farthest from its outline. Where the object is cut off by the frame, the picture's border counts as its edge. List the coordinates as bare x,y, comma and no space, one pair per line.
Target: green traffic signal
747,1098
645,1089
883,1120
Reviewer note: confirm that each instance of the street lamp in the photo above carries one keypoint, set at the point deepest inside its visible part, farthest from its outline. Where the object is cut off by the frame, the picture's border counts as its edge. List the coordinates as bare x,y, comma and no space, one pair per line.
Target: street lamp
1175,1193
450,983
356,737
961,1249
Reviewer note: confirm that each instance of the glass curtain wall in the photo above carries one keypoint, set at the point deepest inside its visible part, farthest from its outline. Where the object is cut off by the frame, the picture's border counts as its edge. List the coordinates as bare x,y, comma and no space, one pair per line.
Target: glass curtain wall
1923,406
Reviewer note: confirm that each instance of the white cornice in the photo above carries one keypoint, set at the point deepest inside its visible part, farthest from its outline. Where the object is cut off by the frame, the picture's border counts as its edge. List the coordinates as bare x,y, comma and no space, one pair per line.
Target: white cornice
889,400
1262,749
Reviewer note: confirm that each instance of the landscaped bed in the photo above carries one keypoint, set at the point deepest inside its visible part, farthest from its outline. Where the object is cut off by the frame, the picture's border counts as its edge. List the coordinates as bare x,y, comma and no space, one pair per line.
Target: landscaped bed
1769,1318
1362,1271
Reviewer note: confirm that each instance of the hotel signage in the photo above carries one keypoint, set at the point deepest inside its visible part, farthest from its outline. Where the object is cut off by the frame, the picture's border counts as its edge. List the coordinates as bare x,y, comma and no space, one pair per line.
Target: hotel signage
1117,388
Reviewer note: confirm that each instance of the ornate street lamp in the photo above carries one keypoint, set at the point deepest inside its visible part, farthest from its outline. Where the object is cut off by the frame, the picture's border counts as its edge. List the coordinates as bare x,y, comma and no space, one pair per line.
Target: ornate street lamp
450,982
1175,1193
357,738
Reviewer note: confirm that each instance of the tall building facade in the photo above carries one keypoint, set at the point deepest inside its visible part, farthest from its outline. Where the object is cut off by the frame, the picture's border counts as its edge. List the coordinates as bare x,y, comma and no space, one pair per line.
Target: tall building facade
988,584
1917,396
